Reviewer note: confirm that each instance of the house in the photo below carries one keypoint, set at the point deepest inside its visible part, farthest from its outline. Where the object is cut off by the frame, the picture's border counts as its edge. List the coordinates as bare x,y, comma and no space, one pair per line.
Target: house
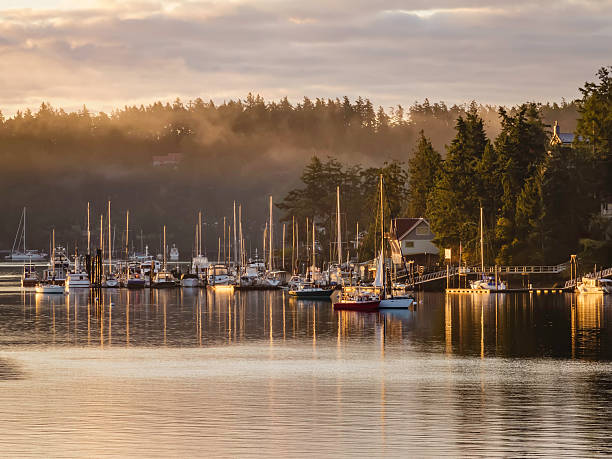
412,238
565,139
171,159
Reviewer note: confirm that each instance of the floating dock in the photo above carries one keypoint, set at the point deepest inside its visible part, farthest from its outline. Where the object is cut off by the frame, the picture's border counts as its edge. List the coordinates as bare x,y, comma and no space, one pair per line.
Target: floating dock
509,290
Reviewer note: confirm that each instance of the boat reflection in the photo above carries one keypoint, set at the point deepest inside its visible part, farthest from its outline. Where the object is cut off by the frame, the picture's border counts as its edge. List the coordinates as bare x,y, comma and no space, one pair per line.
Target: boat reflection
560,325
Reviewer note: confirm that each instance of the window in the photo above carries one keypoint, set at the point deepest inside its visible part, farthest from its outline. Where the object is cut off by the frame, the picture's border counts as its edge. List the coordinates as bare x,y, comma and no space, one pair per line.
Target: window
408,244
422,230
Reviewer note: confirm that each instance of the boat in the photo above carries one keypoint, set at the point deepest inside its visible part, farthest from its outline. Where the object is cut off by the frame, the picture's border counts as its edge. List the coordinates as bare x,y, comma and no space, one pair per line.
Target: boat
29,277
594,285
77,278
174,253
49,288
358,298
485,282
190,280
218,276
308,291
48,285
19,251
111,281
163,278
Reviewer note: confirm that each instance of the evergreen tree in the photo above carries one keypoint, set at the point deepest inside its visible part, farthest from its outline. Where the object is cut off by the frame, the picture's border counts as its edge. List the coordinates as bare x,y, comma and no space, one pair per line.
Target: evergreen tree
454,202
423,170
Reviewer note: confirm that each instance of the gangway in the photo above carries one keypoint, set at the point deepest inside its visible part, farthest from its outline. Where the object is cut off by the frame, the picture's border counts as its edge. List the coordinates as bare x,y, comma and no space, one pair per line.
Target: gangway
597,274
488,270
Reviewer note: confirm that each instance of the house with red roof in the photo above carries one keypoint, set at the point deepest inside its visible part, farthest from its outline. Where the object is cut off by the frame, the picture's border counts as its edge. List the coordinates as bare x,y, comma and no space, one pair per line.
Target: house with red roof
412,239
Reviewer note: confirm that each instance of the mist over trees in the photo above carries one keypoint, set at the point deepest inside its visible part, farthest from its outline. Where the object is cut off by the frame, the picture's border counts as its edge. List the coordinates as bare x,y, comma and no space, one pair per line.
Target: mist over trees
54,161
541,201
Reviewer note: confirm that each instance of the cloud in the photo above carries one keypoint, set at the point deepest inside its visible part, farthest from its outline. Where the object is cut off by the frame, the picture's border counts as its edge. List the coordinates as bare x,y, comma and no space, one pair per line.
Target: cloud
106,54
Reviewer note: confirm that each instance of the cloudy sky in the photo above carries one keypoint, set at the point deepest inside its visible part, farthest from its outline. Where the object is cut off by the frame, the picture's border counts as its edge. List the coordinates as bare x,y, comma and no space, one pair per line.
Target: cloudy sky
107,53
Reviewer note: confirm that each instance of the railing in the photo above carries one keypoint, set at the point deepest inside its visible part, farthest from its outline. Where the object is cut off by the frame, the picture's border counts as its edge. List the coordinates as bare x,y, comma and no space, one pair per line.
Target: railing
598,274
534,269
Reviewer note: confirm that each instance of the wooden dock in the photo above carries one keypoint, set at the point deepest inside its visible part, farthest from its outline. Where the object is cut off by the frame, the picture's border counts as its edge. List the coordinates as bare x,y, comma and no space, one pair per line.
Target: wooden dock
481,291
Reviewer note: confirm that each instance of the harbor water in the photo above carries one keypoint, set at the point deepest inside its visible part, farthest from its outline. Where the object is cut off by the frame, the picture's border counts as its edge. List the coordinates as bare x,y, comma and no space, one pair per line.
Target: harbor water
202,373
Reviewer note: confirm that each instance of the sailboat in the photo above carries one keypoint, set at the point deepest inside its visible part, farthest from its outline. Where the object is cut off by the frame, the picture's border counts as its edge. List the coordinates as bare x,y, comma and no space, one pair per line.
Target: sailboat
307,289
485,282
48,286
163,278
20,241
111,280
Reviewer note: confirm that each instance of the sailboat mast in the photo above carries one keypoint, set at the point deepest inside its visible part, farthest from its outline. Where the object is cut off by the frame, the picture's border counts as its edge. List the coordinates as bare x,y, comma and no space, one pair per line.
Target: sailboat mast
110,247
283,246
313,249
88,232
224,242
271,247
293,244
164,248
382,233
127,232
240,234
24,231
235,241
53,253
338,225
199,233
481,243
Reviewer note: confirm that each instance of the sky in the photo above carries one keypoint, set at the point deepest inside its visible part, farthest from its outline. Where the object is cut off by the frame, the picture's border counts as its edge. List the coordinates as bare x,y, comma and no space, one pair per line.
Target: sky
106,54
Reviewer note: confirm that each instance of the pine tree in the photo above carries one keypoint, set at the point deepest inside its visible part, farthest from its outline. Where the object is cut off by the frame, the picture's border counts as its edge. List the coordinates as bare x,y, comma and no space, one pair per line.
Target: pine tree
423,169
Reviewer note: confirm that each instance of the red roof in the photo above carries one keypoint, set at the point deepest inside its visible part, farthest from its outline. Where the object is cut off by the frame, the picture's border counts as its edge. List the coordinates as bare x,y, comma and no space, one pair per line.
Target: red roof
400,226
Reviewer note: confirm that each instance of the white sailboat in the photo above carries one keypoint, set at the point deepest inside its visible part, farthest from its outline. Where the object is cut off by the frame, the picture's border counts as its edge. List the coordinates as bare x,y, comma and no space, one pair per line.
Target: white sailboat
19,254
48,286
111,280
485,282
388,299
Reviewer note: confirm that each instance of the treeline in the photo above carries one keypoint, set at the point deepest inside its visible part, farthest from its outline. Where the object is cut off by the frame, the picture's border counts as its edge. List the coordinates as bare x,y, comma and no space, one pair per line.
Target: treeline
541,201
54,161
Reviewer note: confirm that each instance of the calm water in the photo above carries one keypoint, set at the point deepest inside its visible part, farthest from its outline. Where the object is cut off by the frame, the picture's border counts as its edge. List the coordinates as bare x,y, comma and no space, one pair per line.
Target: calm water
196,373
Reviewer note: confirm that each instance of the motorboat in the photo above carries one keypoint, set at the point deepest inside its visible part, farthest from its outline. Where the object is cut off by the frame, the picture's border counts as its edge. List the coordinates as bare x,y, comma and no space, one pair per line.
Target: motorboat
47,288
594,285
174,253
29,277
190,280
358,299
309,291
163,279
218,275
111,281
77,280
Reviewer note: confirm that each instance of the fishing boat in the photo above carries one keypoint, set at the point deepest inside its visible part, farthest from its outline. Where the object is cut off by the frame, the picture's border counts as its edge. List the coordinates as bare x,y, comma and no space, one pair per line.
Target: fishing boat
363,299
111,281
594,285
136,278
19,251
29,277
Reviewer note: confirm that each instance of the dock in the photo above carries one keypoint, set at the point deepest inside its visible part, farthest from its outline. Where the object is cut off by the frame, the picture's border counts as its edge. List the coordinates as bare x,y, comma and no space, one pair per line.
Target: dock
481,291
